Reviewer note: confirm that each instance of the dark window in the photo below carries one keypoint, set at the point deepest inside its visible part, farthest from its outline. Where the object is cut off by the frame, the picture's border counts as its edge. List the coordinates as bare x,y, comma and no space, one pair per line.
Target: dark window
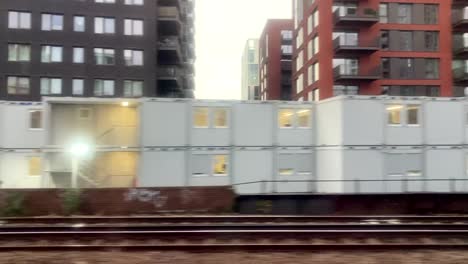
431,40
407,68
406,40
384,39
405,13
432,68
431,15
386,68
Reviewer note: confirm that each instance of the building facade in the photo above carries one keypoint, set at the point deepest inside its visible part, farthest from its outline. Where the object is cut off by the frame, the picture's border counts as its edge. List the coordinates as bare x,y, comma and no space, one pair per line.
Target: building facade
378,47
250,73
345,144
96,48
275,60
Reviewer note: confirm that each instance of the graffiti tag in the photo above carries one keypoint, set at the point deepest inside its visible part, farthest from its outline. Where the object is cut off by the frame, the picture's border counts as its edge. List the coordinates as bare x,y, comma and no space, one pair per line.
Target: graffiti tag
146,196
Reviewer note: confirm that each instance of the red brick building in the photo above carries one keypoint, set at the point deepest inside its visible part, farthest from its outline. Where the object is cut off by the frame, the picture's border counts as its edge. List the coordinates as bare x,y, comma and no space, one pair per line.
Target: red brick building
373,47
275,69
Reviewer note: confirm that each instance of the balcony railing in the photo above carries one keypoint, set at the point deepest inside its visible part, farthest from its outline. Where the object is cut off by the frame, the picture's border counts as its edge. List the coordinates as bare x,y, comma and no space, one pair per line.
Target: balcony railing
355,17
352,73
354,46
460,19
460,47
168,12
460,74
171,43
177,3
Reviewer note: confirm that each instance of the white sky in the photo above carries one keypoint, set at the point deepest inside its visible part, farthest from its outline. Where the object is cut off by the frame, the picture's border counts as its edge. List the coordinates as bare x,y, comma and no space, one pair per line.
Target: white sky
221,29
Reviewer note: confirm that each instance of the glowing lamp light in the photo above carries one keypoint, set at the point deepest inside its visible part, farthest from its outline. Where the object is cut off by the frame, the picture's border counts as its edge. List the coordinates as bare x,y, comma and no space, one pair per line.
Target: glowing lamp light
125,104
79,149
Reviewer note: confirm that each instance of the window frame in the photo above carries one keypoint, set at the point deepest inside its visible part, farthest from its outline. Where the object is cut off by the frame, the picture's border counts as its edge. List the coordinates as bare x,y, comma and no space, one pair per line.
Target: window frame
211,122
295,117
17,82
41,120
29,158
51,18
404,114
19,24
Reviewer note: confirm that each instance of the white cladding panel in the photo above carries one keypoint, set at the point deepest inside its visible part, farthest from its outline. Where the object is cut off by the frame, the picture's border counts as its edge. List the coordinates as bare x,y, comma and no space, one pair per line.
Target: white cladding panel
253,124
303,165
329,125
164,123
445,122
329,167
445,164
252,166
14,171
363,122
162,169
362,167
17,132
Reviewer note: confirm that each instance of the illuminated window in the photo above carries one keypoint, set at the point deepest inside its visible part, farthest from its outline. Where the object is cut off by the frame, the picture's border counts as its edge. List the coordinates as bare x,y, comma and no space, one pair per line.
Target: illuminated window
200,117
295,164
35,166
220,165
412,112
303,118
286,172
285,118
394,114
220,117
35,119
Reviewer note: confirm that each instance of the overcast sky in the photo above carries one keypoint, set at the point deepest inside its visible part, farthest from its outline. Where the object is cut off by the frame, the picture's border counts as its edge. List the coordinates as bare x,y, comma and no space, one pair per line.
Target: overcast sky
221,30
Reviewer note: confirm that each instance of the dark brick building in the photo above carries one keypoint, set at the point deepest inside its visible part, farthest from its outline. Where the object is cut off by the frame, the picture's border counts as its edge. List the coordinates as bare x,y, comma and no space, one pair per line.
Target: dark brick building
375,47
102,48
275,49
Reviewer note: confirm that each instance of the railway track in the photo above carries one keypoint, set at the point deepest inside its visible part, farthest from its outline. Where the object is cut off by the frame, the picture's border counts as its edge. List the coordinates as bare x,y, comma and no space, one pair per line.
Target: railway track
233,233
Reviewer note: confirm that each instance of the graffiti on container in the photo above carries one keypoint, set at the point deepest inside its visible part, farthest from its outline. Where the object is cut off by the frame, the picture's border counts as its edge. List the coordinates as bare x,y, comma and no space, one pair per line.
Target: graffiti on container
146,196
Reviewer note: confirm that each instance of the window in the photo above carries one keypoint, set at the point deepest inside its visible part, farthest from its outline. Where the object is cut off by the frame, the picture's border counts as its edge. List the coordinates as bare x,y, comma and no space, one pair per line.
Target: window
78,55
220,165
316,44
17,85
299,60
407,68
383,13
404,13
431,40
316,71
51,86
51,54
220,118
411,114
79,24
105,1
300,83
295,164
133,27
310,75
310,49
210,165
394,114
384,39
19,52
294,118
133,88
310,25
431,14
299,38
52,22
286,34
84,113
134,2
104,87
35,119
19,20
200,117
432,68
78,87
34,166
133,57
104,56
104,25
406,40
316,18
404,164
316,93
385,68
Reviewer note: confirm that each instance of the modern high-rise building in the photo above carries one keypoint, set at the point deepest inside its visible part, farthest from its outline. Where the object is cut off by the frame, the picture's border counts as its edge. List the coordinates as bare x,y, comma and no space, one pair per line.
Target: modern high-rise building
96,48
250,73
374,47
275,60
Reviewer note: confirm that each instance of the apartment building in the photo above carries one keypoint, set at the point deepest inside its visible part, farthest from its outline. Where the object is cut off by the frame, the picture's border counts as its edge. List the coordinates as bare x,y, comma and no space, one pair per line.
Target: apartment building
96,48
250,72
378,47
275,60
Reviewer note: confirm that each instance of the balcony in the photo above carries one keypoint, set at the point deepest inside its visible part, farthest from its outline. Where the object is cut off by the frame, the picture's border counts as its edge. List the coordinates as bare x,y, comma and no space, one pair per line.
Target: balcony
460,3
352,47
460,48
345,74
177,3
169,21
169,51
170,77
355,18
286,65
460,19
460,75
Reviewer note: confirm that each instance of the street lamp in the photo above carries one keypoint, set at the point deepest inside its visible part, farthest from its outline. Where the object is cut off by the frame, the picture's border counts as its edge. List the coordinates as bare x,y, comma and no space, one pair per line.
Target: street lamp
77,151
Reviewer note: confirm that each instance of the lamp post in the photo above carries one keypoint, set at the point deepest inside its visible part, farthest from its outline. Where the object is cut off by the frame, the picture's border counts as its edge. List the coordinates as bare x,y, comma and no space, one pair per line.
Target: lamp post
77,151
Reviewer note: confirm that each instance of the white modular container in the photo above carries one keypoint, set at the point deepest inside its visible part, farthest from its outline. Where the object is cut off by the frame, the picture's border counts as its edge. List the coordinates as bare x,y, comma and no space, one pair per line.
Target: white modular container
447,167
253,169
444,122
253,124
160,167
14,170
